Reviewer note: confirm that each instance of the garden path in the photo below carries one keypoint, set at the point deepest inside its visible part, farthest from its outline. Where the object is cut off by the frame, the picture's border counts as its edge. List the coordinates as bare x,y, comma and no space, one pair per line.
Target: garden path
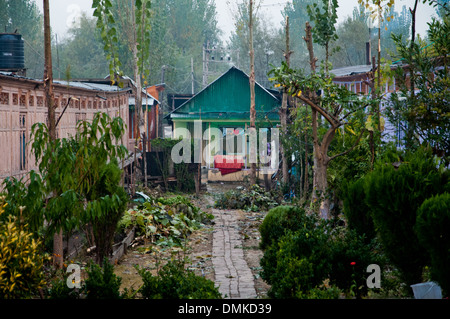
233,275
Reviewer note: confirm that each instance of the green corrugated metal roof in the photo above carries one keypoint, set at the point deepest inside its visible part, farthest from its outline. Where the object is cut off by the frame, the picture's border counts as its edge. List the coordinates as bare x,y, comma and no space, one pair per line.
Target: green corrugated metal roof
228,98
241,116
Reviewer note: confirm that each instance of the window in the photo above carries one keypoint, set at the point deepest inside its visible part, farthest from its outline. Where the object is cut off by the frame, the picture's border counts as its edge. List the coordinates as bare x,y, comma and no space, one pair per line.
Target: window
23,141
233,141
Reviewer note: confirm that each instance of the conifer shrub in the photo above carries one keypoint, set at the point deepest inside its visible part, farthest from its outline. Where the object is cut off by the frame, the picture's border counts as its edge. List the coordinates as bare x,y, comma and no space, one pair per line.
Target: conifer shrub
356,211
433,231
394,194
299,262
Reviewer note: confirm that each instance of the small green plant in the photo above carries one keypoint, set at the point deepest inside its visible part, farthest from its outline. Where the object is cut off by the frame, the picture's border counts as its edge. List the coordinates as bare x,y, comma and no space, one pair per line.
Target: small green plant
321,292
175,282
432,227
102,283
59,289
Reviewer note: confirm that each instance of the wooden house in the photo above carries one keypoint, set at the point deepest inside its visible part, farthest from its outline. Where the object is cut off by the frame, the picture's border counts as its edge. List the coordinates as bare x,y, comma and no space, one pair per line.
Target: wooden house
22,104
225,105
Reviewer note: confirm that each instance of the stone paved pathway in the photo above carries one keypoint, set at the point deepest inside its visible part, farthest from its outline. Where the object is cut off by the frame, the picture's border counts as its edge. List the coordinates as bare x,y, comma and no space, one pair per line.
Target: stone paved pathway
232,274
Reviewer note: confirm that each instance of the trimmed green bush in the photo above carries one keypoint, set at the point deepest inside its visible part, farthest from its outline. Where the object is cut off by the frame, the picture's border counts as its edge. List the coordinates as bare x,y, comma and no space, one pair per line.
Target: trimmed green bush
433,231
176,282
281,219
296,264
394,195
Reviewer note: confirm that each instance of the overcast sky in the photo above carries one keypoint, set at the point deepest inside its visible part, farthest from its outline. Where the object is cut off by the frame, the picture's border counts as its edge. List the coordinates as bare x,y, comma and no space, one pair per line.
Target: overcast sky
63,12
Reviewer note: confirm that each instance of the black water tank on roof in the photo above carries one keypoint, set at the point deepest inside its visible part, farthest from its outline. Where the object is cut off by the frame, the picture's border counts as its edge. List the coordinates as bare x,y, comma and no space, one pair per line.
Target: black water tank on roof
12,55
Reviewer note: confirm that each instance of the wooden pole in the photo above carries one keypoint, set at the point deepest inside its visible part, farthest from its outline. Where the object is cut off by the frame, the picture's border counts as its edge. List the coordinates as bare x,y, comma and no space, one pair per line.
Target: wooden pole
252,90
49,97
283,110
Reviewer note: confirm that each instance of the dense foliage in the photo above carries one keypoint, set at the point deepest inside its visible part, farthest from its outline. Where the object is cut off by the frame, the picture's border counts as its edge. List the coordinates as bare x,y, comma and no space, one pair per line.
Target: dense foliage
394,196
423,115
305,257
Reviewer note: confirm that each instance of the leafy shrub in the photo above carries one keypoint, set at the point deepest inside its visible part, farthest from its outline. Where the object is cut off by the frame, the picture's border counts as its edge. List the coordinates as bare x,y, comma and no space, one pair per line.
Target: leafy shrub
393,196
433,225
281,219
107,204
253,199
181,204
164,218
175,282
21,260
30,195
102,283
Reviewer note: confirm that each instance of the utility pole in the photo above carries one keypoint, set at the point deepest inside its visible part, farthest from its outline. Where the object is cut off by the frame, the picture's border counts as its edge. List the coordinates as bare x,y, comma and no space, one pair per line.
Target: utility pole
283,110
50,100
206,57
192,76
252,91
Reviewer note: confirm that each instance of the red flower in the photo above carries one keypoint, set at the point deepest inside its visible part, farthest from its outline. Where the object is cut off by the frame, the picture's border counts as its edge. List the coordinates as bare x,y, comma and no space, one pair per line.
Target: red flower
353,263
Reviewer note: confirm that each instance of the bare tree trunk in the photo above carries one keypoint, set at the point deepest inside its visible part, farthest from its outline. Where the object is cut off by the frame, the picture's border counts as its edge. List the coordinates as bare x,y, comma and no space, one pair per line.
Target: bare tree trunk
49,97
252,89
312,61
306,185
317,182
283,111
413,39
321,185
379,70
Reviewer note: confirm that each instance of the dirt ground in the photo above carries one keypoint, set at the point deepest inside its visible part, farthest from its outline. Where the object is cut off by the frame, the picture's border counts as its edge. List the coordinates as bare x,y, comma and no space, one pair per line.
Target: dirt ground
198,247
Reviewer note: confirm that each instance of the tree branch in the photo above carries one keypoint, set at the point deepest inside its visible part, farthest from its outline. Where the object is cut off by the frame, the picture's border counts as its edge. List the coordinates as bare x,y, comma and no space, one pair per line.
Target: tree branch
352,112
330,118
350,149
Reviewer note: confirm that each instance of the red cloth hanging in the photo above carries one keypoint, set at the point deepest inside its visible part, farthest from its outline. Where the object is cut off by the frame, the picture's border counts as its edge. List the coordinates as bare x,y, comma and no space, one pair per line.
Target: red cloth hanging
228,164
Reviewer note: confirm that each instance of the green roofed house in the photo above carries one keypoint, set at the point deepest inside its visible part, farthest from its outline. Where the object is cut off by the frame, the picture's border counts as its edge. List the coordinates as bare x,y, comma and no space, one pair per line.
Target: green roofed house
224,106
